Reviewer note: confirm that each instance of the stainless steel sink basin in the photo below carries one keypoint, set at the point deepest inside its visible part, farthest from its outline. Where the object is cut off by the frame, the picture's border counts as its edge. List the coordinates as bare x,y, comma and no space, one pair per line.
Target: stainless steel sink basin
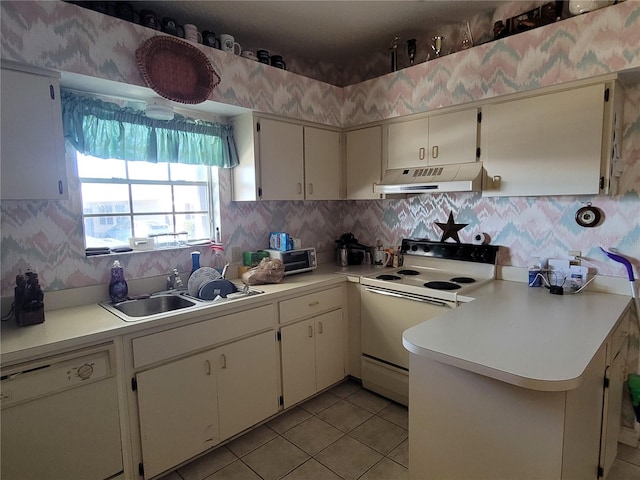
145,307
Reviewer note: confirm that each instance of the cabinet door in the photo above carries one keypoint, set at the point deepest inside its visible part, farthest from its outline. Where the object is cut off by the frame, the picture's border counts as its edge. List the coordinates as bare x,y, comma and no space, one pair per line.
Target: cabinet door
281,160
322,164
178,411
364,162
298,362
453,137
247,376
548,144
612,410
409,144
33,160
330,336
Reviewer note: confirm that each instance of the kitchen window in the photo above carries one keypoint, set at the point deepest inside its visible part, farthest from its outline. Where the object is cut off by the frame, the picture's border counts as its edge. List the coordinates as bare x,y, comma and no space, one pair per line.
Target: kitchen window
125,199
142,177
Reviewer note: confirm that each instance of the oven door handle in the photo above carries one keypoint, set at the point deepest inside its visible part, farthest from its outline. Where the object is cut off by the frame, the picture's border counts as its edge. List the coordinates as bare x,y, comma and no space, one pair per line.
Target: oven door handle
406,296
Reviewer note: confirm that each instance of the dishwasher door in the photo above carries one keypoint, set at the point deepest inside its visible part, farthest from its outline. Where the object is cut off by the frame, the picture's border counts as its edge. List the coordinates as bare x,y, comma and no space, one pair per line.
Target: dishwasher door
60,418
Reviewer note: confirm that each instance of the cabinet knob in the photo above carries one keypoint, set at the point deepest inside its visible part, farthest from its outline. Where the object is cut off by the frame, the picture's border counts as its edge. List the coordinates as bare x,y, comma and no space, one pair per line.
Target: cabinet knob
311,189
207,367
223,360
310,331
421,153
434,151
299,188
320,329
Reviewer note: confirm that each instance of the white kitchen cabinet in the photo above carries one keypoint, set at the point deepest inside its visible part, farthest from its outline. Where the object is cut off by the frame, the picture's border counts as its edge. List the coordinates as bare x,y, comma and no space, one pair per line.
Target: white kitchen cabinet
247,378
284,160
33,157
178,411
555,143
312,356
363,162
434,140
313,343
322,164
615,377
199,384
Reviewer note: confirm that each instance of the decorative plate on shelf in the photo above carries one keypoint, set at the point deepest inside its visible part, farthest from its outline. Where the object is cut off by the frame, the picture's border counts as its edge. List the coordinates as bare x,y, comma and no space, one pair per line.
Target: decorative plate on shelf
176,70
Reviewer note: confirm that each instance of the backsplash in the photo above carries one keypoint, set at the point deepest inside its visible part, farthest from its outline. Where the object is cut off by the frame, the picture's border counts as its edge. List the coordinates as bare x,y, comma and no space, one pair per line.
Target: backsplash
47,235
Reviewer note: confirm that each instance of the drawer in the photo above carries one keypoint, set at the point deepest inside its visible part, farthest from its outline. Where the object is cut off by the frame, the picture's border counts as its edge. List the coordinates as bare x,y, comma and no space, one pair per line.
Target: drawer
182,340
311,304
620,335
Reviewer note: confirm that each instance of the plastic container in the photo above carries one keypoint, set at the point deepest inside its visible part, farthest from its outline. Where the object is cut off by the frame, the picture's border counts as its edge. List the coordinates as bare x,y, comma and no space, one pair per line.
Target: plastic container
118,288
195,261
218,261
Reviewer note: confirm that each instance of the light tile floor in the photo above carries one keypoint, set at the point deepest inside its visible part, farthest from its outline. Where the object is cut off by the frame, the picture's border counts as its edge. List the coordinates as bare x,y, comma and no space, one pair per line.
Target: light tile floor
346,433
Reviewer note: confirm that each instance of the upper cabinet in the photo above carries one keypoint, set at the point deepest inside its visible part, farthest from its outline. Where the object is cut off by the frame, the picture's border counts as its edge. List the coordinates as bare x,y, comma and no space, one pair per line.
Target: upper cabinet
33,158
283,160
558,143
435,140
363,162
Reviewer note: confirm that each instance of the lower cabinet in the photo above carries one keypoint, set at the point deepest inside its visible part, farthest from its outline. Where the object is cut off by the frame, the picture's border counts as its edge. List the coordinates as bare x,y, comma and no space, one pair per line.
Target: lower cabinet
312,356
190,405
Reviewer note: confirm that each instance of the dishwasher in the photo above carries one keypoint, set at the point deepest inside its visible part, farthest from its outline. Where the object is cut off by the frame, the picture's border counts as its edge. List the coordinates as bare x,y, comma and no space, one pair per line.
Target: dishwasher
60,417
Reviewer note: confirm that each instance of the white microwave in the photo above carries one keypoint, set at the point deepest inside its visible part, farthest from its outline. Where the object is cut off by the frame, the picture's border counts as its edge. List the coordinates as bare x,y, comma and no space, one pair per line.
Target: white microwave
296,261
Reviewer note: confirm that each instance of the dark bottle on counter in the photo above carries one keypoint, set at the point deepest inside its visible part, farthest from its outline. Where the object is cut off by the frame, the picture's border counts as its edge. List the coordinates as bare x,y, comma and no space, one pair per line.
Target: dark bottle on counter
118,289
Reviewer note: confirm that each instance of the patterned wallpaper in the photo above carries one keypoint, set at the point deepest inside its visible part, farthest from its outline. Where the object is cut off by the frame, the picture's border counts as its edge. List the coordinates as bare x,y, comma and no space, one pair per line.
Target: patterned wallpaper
47,236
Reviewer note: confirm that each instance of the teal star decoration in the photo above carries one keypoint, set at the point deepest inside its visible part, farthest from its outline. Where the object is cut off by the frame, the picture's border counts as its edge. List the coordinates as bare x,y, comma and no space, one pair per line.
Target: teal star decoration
450,229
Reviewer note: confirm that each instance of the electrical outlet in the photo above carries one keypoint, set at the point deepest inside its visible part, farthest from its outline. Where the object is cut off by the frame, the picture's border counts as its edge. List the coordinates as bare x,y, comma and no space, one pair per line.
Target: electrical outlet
236,255
574,257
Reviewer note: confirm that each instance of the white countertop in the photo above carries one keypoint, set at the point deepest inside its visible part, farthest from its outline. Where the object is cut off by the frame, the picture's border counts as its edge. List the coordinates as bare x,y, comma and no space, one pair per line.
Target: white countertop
520,335
67,328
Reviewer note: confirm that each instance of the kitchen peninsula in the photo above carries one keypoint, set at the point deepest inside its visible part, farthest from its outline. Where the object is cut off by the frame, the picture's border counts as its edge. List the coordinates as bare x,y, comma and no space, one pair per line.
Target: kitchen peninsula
512,383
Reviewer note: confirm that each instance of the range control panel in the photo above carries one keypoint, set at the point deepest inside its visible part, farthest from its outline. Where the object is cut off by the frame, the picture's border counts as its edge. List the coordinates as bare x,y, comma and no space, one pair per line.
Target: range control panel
466,252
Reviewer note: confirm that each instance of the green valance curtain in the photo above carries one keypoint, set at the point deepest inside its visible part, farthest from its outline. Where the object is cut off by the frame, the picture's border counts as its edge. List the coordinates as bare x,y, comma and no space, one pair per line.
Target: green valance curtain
106,130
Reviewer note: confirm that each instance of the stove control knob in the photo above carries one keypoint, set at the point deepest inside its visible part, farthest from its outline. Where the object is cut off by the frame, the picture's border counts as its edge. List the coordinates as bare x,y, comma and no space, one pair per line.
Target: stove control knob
414,247
426,248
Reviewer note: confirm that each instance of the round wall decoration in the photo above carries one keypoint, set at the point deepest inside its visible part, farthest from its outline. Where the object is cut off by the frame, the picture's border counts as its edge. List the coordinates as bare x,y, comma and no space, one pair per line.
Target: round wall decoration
176,70
588,216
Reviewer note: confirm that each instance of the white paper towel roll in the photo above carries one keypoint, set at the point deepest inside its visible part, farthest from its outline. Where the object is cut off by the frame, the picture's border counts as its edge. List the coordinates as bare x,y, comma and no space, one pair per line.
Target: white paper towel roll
481,238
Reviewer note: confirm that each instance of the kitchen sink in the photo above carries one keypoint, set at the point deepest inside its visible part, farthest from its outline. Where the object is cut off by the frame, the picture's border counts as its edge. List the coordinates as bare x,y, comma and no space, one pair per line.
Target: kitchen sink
144,307
169,301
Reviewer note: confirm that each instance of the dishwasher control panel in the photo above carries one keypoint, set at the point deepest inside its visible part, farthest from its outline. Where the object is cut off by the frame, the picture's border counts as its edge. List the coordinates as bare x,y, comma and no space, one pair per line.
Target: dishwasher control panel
33,381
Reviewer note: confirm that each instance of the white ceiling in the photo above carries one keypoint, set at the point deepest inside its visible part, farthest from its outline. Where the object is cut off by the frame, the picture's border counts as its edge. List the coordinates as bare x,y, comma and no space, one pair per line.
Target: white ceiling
327,31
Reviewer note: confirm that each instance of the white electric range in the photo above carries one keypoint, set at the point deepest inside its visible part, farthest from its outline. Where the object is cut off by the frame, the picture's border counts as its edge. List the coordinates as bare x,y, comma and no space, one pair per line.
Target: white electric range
434,277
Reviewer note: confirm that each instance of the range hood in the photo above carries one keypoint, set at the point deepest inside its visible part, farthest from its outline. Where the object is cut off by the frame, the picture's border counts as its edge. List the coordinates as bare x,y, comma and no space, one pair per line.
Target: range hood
458,177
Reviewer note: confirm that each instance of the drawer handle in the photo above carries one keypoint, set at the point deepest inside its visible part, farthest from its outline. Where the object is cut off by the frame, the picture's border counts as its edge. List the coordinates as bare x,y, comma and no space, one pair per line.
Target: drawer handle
223,357
320,327
310,331
421,153
434,151
314,304
207,365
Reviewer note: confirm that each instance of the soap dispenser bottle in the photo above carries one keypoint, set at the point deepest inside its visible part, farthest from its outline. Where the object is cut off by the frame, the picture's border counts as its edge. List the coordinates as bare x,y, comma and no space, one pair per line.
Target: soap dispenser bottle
118,289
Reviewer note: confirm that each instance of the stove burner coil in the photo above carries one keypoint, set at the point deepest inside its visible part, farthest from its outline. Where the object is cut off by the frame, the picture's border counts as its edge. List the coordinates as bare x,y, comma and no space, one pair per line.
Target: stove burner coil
442,285
463,279
387,277
408,272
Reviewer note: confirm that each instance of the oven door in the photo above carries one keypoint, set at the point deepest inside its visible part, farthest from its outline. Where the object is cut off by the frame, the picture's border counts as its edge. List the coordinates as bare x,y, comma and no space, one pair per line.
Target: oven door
386,314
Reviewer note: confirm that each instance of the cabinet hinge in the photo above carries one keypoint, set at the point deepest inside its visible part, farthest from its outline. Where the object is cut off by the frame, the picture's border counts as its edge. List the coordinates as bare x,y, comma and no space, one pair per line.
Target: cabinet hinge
278,336
478,152
601,183
281,400
134,384
606,94
479,117
259,192
52,92
258,127
141,469
606,382
600,472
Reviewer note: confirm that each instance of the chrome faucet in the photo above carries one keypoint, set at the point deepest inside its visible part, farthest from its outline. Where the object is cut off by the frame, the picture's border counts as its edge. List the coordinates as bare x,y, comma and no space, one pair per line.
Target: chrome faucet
174,281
